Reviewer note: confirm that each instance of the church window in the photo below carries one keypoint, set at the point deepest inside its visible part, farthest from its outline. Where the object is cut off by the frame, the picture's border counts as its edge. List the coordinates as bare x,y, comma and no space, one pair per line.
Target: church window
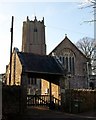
73,65
32,81
70,64
68,61
63,60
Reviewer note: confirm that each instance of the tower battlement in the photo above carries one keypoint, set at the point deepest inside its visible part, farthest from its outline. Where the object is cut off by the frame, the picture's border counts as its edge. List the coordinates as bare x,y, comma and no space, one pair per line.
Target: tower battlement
33,36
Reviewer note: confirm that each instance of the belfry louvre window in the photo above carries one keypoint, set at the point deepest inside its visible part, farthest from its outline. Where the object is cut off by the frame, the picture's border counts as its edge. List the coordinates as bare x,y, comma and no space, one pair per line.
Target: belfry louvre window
35,29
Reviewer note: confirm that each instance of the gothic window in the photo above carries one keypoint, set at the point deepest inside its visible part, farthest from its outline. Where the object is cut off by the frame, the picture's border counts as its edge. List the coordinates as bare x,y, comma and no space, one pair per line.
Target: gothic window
29,81
63,60
66,65
70,64
73,65
32,81
35,35
68,61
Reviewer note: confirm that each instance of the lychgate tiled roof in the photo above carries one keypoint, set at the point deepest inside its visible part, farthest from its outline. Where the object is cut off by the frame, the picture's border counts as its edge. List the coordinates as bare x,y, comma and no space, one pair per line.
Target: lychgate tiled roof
40,63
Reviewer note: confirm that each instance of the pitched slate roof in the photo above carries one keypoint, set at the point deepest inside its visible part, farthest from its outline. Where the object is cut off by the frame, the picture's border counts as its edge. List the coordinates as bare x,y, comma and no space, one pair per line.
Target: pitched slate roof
40,63
62,42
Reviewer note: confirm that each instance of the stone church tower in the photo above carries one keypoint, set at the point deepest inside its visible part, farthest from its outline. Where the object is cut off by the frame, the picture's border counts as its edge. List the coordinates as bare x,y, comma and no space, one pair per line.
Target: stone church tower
33,37
33,41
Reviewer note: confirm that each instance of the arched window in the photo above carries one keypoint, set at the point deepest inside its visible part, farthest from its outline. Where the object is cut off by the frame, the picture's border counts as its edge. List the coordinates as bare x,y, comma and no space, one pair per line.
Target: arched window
68,61
35,29
32,81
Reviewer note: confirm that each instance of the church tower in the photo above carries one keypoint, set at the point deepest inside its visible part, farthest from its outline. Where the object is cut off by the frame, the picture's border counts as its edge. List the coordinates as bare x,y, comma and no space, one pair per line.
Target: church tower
33,37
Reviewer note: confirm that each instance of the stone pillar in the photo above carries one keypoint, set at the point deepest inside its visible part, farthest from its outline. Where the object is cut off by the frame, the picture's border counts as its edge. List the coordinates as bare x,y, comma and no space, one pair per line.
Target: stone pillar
50,92
62,90
23,103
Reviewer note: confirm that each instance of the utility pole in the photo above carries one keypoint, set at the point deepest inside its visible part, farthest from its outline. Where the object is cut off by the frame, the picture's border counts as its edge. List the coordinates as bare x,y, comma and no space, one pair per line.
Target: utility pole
11,30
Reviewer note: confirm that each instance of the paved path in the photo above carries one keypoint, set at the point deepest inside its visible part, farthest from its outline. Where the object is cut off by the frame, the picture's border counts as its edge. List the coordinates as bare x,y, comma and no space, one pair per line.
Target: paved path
46,114
42,113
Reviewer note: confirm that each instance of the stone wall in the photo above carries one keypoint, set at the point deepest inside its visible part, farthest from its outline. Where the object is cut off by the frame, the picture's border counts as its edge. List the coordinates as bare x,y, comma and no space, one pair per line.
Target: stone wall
11,99
15,71
66,47
79,100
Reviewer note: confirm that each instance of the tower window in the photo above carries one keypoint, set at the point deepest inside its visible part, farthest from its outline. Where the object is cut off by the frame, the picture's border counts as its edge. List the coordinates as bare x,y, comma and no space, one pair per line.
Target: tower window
35,29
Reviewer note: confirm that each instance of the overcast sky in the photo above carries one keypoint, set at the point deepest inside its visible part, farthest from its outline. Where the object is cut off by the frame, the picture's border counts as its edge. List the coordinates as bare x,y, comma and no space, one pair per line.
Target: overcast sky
60,18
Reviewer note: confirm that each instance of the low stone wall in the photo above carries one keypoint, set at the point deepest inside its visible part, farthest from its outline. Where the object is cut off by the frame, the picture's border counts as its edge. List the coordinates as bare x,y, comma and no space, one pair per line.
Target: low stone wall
80,100
12,100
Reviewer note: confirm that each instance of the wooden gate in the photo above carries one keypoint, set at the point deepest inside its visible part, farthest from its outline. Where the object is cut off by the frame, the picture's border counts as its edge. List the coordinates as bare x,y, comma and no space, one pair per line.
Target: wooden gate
38,100
41,100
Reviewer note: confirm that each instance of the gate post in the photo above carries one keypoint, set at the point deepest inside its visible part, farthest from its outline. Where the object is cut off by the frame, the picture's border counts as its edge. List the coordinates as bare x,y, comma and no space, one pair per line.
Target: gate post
23,92
62,92
50,94
50,91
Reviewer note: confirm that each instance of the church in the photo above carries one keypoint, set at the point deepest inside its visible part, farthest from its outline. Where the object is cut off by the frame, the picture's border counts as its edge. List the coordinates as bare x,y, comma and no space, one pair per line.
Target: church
64,68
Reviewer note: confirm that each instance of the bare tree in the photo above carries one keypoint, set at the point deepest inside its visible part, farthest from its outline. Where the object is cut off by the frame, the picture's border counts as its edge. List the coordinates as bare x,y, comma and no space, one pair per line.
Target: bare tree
87,46
88,4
